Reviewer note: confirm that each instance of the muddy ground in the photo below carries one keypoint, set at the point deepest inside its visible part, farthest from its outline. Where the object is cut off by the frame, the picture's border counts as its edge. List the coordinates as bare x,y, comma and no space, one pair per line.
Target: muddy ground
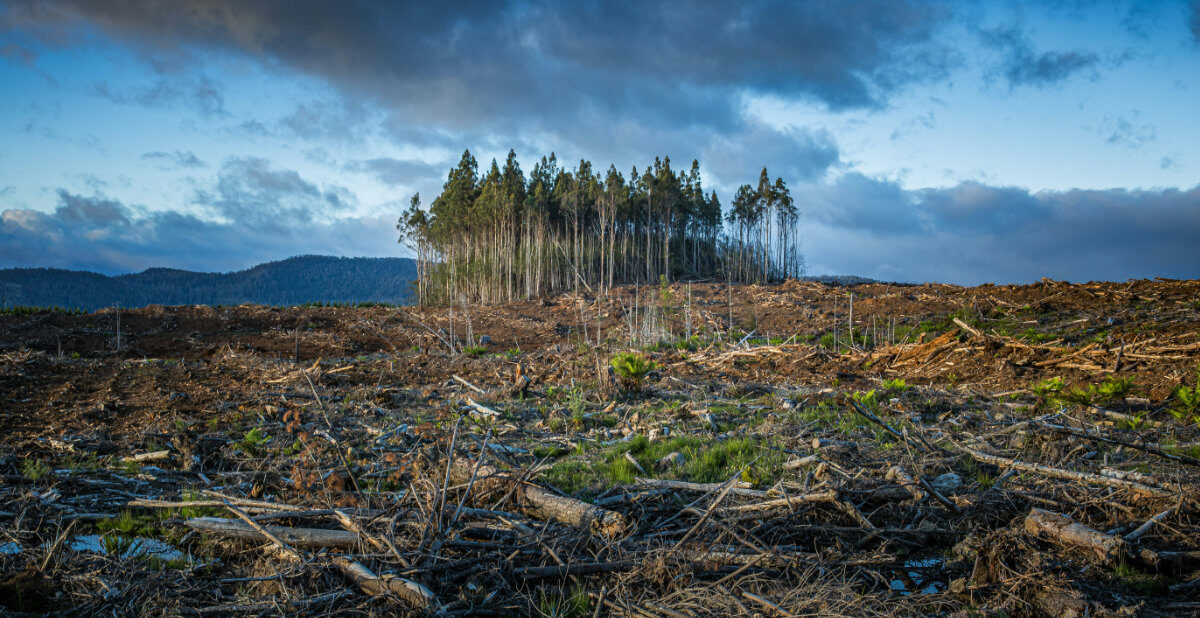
910,459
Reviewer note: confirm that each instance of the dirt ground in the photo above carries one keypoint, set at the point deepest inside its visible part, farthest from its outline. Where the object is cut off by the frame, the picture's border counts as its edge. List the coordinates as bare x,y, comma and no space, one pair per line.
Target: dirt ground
767,463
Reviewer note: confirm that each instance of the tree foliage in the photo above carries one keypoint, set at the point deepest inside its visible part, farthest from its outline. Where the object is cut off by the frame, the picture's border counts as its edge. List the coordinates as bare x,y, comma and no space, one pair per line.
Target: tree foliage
501,235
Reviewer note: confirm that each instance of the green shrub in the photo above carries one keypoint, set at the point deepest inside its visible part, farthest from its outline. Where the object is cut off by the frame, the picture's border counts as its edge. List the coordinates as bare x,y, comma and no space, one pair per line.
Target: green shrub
34,469
1186,404
1048,390
632,368
1115,388
253,442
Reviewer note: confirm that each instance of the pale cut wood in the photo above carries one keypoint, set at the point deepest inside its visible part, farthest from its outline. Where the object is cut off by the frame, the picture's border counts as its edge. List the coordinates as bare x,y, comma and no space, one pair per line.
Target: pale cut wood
963,325
800,463
537,502
1063,529
257,527
410,592
740,488
297,537
1071,475
1063,359
828,495
152,456
905,488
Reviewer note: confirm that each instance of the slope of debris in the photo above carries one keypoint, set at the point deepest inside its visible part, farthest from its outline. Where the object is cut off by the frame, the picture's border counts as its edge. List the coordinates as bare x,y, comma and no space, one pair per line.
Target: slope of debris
663,451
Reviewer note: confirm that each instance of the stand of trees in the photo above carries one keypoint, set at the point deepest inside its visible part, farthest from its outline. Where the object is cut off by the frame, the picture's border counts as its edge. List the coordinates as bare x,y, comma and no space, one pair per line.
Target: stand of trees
502,236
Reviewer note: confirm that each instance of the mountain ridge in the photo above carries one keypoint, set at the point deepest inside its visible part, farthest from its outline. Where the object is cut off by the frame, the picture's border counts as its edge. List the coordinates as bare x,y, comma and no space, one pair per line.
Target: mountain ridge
292,281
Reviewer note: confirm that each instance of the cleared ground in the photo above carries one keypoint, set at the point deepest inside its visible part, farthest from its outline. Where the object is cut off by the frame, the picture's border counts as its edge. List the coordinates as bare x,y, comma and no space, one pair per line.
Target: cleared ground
769,463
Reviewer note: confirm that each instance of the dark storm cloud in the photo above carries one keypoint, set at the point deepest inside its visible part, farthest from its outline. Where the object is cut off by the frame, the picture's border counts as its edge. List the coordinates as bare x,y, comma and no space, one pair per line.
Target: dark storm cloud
96,233
973,233
1194,19
489,62
174,160
1021,65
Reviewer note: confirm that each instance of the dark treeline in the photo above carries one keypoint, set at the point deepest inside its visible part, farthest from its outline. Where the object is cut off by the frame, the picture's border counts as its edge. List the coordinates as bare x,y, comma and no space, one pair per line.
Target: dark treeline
503,236
294,281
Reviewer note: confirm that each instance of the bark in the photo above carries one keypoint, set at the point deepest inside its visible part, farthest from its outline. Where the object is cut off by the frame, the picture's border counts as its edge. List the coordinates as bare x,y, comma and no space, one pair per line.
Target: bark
1066,531
410,592
1069,474
537,502
296,537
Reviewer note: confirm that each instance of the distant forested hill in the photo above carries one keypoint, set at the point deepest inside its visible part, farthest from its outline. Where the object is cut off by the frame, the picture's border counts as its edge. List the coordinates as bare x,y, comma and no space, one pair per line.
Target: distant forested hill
293,281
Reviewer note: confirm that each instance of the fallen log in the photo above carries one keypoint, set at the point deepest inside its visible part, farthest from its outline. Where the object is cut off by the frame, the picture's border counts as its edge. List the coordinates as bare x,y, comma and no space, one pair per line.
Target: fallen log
1066,531
152,456
829,495
296,537
537,502
740,488
903,489
410,592
963,325
1063,359
1070,475
579,568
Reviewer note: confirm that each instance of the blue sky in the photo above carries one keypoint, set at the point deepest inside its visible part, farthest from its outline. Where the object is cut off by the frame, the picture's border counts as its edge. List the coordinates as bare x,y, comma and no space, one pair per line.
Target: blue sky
961,142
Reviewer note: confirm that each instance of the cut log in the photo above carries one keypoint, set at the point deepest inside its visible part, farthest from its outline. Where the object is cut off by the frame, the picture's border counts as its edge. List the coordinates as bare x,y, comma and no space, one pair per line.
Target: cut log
800,463
537,502
1068,474
152,456
963,325
910,487
296,537
823,443
740,488
1066,531
782,503
412,593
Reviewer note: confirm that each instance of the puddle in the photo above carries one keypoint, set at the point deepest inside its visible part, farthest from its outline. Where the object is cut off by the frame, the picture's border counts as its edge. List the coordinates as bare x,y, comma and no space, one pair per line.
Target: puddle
133,548
915,583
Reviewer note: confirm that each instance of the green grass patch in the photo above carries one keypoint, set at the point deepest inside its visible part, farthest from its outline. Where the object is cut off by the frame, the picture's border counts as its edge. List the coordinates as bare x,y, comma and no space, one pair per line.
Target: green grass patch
705,462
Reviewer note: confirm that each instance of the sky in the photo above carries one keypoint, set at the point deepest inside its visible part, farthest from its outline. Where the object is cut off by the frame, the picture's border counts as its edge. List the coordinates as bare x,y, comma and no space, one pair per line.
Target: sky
963,142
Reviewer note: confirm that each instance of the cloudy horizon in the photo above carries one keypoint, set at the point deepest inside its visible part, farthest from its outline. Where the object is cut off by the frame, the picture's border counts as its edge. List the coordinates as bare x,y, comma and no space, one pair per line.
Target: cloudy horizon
923,141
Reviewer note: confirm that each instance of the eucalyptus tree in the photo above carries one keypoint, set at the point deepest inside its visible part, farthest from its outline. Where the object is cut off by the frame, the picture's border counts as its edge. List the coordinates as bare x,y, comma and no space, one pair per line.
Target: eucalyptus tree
503,236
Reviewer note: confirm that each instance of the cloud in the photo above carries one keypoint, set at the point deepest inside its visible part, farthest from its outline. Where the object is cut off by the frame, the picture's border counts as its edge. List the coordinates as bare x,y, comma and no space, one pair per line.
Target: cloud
398,172
973,233
1194,19
178,89
506,65
969,233
796,155
250,192
1121,131
174,160
1021,65
97,233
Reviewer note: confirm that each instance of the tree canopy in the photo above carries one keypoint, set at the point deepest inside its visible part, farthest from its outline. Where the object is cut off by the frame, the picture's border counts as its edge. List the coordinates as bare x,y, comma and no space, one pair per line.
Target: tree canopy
501,235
